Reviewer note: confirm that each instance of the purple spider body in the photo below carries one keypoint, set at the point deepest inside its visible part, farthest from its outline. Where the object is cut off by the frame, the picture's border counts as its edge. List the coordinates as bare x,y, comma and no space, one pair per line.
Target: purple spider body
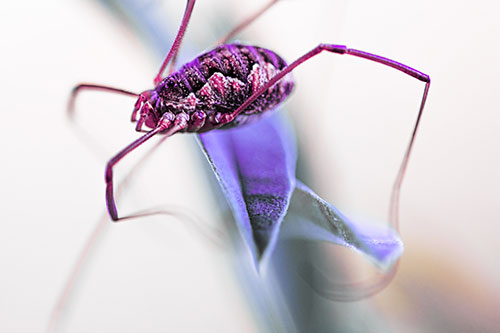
214,84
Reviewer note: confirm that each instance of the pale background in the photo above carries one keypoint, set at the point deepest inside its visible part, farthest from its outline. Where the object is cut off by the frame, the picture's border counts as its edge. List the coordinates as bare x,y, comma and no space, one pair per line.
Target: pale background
353,121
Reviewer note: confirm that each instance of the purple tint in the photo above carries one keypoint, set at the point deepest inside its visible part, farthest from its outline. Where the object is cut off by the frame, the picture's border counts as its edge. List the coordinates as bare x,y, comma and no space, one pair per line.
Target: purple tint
255,166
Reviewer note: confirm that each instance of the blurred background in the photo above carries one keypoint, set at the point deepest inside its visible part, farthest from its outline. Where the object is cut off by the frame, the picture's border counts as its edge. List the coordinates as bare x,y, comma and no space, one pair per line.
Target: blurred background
353,120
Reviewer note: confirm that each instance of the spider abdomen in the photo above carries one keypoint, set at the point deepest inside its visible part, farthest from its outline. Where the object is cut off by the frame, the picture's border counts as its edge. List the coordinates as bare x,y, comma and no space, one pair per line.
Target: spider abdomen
218,81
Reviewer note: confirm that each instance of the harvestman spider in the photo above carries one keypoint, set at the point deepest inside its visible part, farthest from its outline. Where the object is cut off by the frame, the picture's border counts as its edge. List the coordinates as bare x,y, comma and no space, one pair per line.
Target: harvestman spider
228,86
231,85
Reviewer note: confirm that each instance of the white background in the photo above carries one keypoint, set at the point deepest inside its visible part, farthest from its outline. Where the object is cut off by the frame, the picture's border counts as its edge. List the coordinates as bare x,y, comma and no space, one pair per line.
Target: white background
353,121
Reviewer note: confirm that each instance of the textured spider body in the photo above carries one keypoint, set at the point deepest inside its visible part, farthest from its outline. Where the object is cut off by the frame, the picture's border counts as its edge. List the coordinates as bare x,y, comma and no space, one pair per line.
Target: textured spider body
214,84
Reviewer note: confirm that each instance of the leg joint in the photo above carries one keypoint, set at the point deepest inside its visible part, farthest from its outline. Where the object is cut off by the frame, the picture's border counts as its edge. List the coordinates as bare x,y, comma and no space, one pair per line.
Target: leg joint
340,49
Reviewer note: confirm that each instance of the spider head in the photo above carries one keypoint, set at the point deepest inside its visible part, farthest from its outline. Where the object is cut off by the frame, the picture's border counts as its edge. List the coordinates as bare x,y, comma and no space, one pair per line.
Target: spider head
145,108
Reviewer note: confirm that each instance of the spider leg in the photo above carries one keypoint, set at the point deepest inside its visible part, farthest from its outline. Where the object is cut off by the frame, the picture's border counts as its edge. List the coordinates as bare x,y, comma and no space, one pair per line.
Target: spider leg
90,86
177,41
230,34
246,23
341,49
169,123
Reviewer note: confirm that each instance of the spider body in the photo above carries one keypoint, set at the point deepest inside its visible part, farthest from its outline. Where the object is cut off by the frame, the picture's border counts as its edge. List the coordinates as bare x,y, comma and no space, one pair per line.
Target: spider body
214,84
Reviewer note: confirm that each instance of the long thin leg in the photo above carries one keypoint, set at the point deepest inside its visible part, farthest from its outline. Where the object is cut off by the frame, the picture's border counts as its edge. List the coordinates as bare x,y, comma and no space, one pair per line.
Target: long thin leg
345,292
89,86
341,49
246,23
394,205
230,34
82,132
210,233
372,286
164,124
178,39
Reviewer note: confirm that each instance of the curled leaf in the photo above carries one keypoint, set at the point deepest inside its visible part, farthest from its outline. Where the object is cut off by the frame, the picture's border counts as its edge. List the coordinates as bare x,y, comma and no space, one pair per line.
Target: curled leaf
255,166
310,217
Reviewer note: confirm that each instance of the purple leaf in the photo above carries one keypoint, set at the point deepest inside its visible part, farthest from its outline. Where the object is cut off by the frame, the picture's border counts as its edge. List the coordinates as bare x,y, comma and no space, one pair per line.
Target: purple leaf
255,166
310,217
